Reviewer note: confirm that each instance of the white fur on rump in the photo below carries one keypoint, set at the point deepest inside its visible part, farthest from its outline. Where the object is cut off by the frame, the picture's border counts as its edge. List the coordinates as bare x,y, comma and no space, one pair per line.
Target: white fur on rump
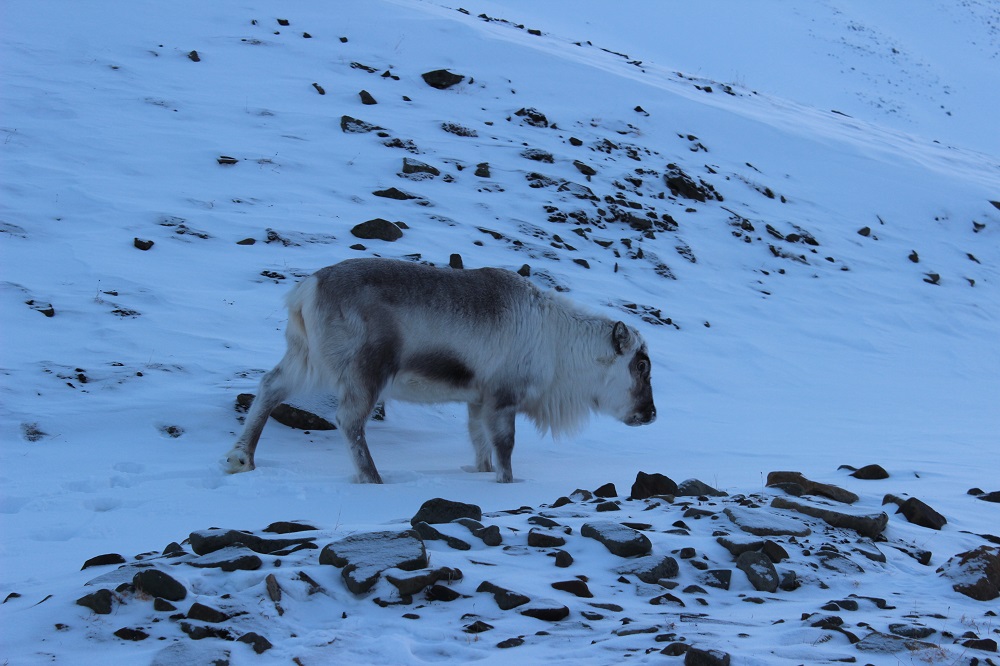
372,329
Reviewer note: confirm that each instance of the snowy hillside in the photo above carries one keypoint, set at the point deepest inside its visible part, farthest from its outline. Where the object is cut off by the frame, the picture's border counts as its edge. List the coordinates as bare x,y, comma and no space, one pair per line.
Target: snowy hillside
798,207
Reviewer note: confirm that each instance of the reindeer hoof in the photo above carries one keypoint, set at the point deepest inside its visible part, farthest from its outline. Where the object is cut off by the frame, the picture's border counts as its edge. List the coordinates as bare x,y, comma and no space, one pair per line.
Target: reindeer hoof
238,461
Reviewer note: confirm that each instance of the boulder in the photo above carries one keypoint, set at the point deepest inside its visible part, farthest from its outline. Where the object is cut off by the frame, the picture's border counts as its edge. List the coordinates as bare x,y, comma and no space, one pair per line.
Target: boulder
441,79
649,485
761,522
812,487
759,569
377,229
864,523
975,573
365,556
618,539
438,510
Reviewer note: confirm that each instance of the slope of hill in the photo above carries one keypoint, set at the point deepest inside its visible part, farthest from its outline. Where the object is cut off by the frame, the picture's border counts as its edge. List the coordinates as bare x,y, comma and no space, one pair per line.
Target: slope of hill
816,273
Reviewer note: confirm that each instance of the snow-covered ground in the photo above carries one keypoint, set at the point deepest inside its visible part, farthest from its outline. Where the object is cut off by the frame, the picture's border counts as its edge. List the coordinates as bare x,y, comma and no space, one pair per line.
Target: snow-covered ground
817,121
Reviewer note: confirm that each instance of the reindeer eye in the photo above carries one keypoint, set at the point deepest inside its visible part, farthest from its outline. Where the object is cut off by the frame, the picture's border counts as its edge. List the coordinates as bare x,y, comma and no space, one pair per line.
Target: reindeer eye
642,366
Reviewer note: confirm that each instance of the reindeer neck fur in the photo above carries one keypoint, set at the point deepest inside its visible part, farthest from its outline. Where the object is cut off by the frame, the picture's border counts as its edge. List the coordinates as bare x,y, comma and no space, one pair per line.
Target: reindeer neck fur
578,346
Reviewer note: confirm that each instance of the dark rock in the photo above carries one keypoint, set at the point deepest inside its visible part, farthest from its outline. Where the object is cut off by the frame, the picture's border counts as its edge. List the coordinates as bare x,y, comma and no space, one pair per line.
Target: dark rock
412,167
377,229
230,558
532,117
865,524
551,612
759,570
259,644
774,551
409,585
563,559
365,556
538,155
128,634
439,510
99,602
455,262
675,649
394,193
459,130
871,472
812,487
441,593
49,311
695,488
650,485
984,644
428,533
482,170
607,506
441,79
163,606
156,583
607,490
542,539
510,643
720,578
197,632
618,539
204,613
286,527
194,57
919,513
975,573
665,599
990,497
366,98
141,244
477,627
505,599
651,569
911,630
204,542
351,125
585,169
102,560
575,586
682,185
698,657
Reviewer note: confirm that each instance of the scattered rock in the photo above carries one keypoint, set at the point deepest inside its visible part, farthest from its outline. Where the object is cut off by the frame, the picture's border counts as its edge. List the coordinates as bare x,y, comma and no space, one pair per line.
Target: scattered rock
351,125
906,630
618,539
919,513
812,487
287,415
870,472
231,558
144,245
695,488
156,583
99,602
365,556
532,117
204,542
103,560
696,657
576,587
428,533
652,485
547,611
366,98
412,583
975,573
866,524
259,644
880,643
204,613
416,167
759,570
505,599
439,510
129,634
441,79
651,569
377,229
543,539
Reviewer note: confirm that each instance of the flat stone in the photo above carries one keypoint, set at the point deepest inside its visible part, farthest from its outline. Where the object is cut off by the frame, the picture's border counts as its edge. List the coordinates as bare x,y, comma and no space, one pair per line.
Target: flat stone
812,487
103,560
231,558
549,611
739,544
864,523
365,556
541,538
204,542
880,643
761,522
441,79
429,533
906,630
618,539
410,583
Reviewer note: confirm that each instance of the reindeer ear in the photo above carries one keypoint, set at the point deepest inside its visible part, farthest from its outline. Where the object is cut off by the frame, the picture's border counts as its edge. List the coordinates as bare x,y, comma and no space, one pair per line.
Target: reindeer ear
621,337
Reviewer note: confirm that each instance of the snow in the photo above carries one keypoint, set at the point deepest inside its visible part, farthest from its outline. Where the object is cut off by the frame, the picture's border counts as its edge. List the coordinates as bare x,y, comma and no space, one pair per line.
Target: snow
859,114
